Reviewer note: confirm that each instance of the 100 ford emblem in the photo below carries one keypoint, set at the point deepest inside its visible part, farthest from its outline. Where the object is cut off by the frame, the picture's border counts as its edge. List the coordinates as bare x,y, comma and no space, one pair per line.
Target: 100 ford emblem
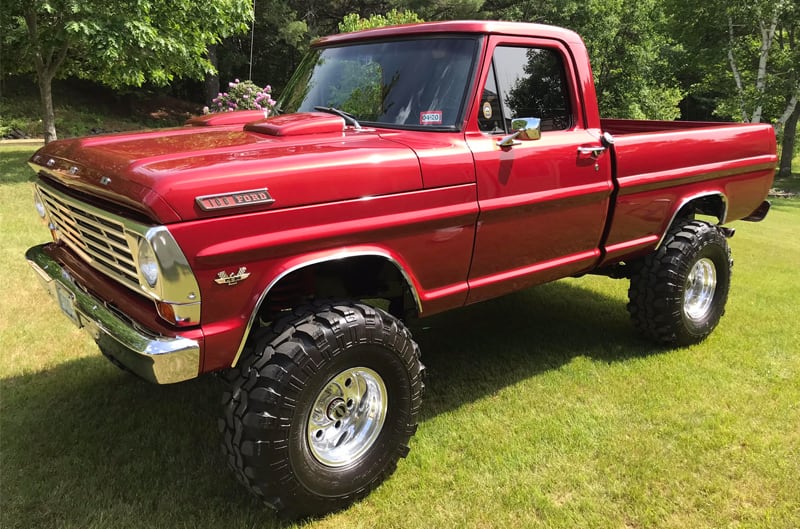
236,199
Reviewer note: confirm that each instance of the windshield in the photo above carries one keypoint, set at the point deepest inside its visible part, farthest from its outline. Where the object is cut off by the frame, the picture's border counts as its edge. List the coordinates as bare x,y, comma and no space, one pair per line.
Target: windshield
409,83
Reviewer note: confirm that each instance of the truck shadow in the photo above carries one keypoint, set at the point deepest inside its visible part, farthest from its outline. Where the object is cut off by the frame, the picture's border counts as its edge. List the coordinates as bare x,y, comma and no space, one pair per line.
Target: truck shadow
87,445
480,349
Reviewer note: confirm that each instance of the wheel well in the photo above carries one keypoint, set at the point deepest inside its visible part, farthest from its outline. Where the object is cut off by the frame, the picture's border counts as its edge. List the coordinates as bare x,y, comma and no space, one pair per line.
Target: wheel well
371,277
712,205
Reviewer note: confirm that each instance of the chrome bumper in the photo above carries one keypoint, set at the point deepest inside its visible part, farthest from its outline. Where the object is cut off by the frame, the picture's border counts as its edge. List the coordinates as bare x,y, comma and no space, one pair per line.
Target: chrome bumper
158,359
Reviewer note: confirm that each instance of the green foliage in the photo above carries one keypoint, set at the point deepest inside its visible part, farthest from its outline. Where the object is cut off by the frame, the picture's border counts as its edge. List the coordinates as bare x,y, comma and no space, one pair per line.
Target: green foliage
280,40
629,48
120,43
353,22
243,95
452,9
719,36
82,110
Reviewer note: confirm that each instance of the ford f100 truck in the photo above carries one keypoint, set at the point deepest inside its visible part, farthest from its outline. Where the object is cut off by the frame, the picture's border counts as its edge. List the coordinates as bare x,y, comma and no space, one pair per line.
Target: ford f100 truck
412,170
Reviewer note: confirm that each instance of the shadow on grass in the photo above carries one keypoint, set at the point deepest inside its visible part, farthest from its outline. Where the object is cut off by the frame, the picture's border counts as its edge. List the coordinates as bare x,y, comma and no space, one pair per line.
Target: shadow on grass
476,350
85,445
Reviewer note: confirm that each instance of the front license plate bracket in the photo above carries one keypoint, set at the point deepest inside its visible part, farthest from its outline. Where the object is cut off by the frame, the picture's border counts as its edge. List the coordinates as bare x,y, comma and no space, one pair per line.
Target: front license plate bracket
66,300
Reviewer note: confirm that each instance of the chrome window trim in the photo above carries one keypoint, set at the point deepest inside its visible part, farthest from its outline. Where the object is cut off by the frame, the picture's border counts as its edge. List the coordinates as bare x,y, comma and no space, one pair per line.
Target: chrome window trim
344,254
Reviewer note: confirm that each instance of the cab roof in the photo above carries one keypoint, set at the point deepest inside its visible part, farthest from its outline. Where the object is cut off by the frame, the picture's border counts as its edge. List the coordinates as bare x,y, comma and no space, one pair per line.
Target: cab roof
477,27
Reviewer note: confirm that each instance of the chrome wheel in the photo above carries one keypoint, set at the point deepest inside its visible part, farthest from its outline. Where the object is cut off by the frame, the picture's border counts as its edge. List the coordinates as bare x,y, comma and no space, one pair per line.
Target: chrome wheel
347,417
700,287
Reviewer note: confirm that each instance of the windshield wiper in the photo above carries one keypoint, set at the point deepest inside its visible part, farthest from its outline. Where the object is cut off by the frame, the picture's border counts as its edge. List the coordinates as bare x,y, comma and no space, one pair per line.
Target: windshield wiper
349,119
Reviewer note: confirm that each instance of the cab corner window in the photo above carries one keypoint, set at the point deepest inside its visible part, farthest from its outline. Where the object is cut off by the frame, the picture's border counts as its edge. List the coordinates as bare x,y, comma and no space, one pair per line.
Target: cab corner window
525,82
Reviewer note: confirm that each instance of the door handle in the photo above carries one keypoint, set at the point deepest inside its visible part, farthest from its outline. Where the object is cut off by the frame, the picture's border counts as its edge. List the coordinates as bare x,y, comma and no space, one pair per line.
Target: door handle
594,152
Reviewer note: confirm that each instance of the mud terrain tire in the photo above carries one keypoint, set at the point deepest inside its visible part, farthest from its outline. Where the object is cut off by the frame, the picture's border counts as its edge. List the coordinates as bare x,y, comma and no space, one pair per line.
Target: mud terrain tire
678,293
322,407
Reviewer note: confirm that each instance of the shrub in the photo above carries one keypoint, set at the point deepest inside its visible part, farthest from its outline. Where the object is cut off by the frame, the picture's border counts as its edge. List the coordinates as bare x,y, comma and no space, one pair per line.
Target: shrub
243,95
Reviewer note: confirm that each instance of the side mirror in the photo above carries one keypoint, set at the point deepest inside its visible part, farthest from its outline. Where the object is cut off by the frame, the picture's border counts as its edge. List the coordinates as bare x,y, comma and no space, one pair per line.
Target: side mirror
528,128
524,129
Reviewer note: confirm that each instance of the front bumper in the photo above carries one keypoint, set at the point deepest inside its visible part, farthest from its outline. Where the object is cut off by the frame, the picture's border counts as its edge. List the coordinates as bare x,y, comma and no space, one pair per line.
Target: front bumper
159,359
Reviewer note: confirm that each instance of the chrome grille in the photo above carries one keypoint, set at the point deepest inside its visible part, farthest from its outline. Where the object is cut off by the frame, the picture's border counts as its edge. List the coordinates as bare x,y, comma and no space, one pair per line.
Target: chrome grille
95,235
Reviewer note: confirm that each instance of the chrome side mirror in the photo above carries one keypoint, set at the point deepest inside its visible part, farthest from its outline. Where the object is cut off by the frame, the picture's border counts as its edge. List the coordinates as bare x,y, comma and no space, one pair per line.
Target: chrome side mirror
524,129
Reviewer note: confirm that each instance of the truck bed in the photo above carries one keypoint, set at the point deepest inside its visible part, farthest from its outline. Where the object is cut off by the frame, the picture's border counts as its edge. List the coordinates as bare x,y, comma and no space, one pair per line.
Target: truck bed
621,127
659,165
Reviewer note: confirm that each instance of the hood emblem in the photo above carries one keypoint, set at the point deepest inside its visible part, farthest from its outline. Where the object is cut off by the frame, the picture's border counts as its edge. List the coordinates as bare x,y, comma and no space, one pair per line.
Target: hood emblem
223,278
235,199
105,180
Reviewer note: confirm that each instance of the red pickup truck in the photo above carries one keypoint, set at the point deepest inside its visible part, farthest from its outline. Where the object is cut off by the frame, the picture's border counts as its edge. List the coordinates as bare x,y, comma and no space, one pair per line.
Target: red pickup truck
412,170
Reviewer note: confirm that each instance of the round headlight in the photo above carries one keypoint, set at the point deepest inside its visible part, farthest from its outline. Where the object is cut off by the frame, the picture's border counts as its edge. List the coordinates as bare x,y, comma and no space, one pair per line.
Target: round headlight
39,204
148,265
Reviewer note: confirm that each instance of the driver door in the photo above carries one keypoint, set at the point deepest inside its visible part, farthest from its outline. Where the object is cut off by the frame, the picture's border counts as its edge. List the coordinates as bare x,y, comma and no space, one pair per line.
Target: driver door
543,202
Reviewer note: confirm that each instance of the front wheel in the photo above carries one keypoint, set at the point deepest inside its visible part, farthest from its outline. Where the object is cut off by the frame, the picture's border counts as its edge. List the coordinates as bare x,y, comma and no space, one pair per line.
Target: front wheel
323,406
678,293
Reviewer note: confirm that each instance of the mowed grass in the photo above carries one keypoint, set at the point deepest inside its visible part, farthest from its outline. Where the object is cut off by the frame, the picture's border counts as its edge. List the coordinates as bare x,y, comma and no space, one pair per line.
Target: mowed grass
543,409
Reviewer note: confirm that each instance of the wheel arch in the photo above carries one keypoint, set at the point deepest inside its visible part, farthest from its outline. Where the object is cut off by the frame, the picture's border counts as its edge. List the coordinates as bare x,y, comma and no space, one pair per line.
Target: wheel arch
713,203
351,257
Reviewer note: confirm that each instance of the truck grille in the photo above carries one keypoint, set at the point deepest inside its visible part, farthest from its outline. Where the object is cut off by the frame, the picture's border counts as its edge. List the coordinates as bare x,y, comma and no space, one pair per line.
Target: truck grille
95,235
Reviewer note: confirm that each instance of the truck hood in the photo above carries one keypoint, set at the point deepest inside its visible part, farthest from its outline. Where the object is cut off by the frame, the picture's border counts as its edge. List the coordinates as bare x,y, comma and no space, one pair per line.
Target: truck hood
226,164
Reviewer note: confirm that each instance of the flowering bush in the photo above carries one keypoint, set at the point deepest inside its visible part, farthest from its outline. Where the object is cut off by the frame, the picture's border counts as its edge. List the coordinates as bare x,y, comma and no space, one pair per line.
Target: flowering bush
243,95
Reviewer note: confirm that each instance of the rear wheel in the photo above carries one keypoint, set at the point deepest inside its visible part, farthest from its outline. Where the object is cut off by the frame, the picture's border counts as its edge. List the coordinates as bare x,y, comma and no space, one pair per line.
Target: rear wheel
678,293
322,407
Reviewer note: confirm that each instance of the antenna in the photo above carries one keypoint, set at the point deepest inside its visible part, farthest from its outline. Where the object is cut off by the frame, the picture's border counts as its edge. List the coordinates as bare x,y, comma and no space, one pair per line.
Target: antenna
252,37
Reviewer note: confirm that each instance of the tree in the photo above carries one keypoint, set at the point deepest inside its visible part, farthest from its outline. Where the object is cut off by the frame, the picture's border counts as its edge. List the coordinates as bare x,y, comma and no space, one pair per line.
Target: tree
749,54
448,9
353,22
629,47
116,42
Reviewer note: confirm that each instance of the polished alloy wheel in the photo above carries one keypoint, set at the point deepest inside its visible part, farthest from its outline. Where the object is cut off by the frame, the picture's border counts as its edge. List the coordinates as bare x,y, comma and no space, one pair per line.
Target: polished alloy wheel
700,287
347,417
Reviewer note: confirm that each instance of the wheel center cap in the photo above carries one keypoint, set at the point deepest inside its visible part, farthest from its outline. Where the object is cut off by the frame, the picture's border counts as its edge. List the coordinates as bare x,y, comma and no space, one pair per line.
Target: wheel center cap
337,409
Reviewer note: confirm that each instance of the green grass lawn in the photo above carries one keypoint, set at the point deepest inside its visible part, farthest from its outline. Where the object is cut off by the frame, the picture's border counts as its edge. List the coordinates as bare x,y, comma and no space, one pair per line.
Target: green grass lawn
543,409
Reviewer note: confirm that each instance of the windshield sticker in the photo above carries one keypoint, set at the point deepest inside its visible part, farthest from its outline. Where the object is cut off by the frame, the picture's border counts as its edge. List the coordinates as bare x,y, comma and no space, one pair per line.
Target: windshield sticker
487,110
431,117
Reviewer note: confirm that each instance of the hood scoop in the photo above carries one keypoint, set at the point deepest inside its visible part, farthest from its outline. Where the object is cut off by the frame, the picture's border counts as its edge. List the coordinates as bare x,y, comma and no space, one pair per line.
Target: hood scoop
298,124
239,117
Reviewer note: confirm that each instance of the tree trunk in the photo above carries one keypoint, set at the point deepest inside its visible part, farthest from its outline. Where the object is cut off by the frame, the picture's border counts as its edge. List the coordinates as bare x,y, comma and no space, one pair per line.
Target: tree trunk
49,117
212,80
47,64
787,145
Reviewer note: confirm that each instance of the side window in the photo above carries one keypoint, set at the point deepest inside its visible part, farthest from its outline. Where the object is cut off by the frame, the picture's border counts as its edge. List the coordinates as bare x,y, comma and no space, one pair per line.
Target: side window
529,82
490,117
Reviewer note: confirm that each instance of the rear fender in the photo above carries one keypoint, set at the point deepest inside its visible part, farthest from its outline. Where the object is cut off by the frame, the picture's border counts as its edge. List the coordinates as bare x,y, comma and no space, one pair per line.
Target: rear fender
713,203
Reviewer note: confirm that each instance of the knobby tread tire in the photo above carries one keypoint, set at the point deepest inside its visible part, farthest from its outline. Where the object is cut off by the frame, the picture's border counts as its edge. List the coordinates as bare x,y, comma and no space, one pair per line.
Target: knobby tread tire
658,283
264,404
